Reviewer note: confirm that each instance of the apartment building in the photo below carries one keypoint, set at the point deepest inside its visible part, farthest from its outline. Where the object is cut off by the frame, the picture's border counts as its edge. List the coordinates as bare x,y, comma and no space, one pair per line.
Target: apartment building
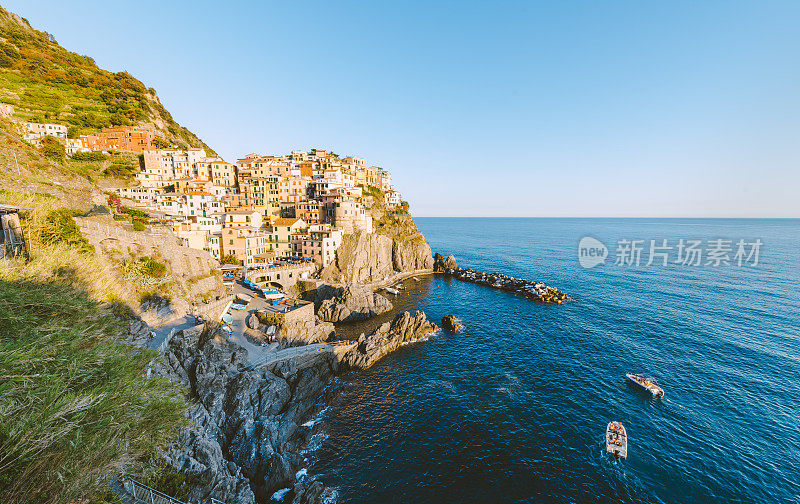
281,233
321,243
35,131
350,216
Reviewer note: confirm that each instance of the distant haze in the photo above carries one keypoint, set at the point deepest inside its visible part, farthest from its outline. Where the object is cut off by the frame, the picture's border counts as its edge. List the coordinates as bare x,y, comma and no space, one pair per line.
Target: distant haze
484,109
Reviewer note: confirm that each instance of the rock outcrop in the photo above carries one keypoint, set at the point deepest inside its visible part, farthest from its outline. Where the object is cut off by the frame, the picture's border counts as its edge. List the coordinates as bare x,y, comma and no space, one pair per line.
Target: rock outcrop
387,338
440,264
449,323
349,304
306,332
247,430
396,246
361,258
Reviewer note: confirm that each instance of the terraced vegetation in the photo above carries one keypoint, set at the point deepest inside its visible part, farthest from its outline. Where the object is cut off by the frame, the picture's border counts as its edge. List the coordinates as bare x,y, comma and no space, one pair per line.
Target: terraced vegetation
47,83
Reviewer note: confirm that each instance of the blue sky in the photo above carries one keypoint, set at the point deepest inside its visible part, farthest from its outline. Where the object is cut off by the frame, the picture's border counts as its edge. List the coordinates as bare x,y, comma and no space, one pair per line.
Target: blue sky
561,108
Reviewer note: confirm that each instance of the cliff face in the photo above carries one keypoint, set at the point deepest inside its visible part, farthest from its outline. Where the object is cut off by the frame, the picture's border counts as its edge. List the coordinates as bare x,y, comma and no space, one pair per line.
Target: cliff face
348,304
247,430
397,246
361,258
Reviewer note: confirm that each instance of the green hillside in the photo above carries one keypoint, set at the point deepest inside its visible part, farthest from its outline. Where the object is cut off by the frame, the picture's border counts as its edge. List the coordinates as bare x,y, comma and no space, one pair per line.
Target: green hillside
47,83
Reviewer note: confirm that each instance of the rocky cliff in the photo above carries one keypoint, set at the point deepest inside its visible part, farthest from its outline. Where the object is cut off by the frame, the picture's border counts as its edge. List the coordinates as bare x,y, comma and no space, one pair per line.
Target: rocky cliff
388,337
397,246
247,429
348,304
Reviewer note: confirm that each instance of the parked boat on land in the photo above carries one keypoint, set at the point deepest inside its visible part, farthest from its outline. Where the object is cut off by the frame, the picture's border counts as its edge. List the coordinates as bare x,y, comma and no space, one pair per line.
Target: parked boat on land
617,440
647,384
272,294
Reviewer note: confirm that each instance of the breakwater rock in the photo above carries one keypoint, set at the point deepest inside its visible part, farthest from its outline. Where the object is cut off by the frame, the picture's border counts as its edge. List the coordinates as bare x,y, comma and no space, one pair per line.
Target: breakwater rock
390,336
247,429
536,291
442,264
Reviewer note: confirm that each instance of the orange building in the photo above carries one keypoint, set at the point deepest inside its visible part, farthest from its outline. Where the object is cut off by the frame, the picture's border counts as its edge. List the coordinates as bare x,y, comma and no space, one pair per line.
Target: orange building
123,138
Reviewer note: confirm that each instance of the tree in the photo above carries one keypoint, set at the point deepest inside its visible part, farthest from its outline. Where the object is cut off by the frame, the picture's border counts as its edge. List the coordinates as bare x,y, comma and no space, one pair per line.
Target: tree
230,259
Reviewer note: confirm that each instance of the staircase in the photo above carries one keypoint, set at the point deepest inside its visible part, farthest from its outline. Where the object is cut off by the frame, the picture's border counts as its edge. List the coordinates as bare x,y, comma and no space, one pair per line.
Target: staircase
134,492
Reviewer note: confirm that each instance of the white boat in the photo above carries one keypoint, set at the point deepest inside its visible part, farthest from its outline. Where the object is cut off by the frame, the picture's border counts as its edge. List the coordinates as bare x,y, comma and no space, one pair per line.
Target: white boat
273,294
617,440
392,291
647,384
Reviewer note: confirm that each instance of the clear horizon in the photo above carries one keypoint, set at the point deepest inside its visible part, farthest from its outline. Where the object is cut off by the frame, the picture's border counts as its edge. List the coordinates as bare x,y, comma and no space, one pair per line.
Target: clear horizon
512,110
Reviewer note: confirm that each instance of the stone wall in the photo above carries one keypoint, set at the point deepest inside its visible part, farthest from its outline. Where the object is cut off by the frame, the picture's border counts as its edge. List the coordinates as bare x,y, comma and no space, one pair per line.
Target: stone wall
184,263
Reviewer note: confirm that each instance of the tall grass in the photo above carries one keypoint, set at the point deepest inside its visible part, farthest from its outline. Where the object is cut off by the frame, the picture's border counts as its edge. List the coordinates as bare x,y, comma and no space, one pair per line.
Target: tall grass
75,405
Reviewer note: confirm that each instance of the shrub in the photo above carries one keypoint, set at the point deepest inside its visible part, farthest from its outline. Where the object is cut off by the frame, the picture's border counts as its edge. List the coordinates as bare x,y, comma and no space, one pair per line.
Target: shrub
121,170
89,156
52,149
135,213
138,225
60,228
230,259
153,268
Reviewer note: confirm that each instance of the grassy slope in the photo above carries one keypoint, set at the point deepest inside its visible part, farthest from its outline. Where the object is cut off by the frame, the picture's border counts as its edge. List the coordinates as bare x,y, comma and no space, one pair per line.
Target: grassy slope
74,405
45,82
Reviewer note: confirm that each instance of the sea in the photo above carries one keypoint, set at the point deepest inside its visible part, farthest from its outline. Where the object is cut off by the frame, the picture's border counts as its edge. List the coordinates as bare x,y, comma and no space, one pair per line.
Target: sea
514,407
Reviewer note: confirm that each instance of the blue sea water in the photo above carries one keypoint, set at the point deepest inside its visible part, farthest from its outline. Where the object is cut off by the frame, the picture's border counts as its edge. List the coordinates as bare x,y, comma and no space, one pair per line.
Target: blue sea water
513,408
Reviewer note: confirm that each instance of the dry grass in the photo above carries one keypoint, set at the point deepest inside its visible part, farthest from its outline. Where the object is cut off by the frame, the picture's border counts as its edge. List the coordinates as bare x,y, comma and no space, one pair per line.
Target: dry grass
75,406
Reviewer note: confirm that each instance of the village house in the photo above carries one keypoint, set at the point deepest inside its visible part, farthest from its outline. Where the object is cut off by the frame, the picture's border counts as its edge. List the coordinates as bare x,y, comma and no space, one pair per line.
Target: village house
392,198
245,243
321,243
35,131
350,216
281,233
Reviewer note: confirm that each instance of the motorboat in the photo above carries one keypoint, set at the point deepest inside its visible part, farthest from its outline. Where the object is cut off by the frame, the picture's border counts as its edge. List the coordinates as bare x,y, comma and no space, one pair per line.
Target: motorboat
617,440
272,294
647,384
392,291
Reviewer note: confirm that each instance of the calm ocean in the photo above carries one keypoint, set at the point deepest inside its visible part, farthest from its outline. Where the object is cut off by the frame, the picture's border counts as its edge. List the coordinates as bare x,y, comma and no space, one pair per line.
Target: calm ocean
514,407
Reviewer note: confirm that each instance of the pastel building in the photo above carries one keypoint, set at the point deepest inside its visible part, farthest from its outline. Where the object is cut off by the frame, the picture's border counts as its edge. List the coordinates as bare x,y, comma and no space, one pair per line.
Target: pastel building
321,243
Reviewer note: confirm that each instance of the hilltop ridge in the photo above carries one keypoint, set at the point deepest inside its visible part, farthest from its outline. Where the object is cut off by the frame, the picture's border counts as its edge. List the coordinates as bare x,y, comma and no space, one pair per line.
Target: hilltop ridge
45,82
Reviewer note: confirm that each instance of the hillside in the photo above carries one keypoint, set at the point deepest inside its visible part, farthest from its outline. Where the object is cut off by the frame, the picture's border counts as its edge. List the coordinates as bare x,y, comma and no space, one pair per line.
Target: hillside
74,407
47,83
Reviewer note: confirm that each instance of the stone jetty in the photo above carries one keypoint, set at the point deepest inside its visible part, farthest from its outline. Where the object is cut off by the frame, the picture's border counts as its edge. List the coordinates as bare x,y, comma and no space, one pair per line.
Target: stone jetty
536,291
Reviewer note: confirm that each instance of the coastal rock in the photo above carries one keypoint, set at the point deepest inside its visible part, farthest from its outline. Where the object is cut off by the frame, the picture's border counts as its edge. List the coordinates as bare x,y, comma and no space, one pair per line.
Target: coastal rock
351,303
387,338
397,246
361,258
411,253
306,332
197,454
449,323
441,264
246,430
